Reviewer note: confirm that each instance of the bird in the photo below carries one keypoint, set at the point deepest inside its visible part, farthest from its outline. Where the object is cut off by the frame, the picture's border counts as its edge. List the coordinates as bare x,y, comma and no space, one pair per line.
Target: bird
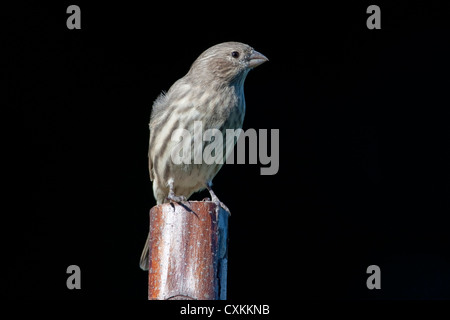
212,94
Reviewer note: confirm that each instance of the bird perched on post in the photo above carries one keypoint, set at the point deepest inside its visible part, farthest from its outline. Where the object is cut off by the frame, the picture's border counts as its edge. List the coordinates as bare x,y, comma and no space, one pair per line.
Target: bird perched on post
211,92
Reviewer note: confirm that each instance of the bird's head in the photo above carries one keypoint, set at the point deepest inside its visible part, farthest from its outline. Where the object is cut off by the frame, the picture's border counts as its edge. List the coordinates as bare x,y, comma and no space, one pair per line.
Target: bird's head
228,61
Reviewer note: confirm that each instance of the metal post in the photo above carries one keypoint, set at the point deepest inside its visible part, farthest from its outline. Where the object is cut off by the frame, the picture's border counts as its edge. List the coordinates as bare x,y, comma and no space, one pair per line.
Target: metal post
188,251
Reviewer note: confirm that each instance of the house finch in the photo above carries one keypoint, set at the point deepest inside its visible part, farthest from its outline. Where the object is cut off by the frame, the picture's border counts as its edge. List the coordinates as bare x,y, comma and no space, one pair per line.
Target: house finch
212,92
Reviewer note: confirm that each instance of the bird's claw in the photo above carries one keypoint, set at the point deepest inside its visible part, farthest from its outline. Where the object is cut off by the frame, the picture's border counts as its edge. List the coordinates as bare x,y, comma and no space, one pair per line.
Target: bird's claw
216,200
174,198
219,203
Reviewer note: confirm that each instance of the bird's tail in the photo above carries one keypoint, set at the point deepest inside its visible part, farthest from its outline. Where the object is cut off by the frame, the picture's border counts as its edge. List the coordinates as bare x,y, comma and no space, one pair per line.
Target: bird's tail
144,262
144,256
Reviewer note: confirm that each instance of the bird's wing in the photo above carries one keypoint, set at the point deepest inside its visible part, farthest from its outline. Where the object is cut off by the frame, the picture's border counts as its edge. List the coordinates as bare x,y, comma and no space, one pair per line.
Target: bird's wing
158,106
159,116
150,163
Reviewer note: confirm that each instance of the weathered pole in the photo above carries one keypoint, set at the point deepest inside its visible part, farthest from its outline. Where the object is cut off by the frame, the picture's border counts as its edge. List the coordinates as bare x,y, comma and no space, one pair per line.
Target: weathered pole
188,251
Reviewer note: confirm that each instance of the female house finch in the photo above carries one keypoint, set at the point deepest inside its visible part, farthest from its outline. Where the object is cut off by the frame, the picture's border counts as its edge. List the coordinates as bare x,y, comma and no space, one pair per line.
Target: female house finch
212,92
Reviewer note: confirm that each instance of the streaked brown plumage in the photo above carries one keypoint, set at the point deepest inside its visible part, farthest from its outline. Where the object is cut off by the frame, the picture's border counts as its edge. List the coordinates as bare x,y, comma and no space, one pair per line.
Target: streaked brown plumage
211,92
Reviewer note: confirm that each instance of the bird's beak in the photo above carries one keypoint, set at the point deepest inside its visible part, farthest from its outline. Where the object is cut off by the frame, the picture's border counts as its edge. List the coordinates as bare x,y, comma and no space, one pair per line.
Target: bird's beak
256,59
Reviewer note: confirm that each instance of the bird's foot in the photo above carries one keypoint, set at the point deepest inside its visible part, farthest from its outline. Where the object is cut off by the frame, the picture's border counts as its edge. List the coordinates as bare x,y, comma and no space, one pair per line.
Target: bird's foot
216,200
172,197
180,200
219,203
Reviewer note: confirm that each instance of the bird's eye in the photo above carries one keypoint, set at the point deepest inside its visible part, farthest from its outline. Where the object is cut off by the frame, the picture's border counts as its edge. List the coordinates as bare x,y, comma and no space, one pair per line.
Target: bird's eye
235,54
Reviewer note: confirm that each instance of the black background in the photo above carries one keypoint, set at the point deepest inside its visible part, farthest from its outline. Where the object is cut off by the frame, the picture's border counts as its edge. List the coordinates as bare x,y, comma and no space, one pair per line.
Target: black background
364,147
